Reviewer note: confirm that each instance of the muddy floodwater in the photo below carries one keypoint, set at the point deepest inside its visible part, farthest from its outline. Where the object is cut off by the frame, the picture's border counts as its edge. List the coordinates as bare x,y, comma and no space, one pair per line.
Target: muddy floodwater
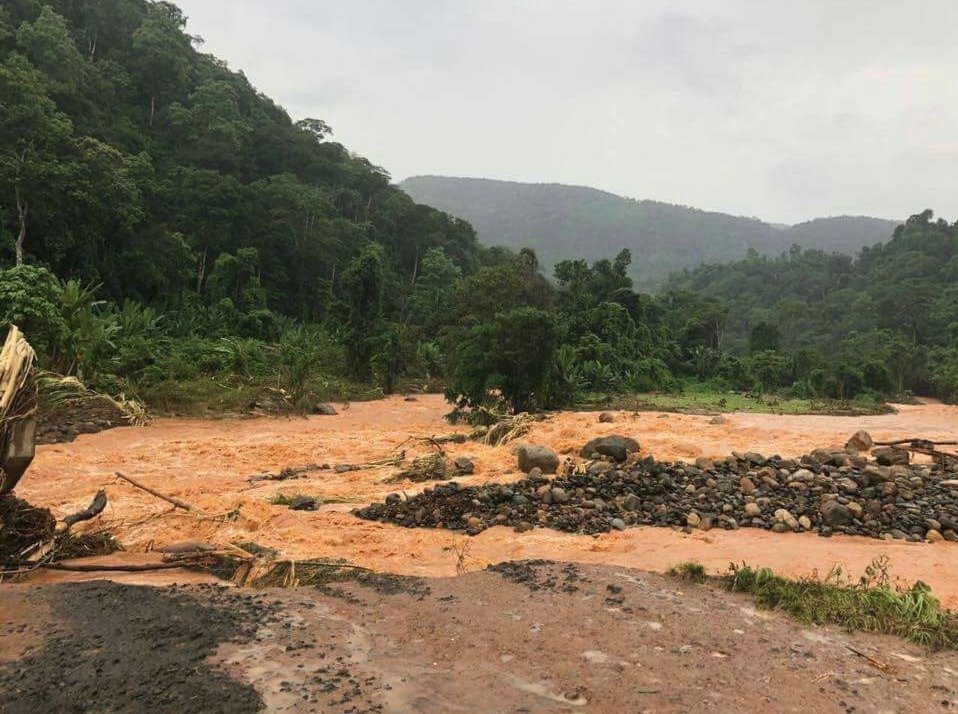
209,464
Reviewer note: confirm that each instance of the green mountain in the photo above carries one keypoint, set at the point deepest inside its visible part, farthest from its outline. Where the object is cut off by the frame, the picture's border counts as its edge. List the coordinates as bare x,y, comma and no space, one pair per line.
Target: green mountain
561,222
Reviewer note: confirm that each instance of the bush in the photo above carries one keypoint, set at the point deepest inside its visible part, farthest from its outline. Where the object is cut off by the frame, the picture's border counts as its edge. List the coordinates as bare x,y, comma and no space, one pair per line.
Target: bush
508,361
30,299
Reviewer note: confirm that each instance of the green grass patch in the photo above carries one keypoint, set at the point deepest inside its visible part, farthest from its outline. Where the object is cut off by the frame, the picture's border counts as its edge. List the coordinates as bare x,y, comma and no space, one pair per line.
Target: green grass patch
693,572
870,604
698,400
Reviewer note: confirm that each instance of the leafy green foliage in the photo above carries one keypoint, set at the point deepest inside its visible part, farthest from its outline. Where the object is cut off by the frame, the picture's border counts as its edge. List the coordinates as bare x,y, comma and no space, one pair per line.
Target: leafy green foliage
30,298
847,327
508,359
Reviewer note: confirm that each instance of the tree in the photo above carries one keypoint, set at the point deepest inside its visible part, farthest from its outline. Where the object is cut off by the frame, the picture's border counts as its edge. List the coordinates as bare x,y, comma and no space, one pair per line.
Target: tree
47,45
769,368
30,299
315,128
162,52
764,336
508,360
430,304
33,140
362,284
211,128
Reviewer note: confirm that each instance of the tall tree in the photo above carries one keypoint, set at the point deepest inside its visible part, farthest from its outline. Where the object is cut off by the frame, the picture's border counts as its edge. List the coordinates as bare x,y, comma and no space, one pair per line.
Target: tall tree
34,139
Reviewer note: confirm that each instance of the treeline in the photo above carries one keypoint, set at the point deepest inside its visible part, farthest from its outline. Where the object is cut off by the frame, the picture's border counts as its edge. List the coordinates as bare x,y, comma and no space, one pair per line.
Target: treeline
171,233
171,227
885,323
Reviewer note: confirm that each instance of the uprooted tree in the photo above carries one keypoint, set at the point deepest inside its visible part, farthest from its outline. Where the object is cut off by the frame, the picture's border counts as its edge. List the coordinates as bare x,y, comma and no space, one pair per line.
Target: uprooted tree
28,535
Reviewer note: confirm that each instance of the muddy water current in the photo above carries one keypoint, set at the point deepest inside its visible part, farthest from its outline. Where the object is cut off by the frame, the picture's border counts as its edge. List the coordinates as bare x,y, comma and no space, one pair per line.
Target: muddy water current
209,464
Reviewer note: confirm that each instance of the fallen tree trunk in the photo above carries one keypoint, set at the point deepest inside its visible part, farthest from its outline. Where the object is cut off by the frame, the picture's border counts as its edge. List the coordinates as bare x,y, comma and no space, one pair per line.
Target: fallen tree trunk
105,568
18,404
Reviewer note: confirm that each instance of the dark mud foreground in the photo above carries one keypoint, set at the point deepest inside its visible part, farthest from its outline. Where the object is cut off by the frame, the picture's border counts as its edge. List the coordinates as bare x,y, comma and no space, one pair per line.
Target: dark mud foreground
115,648
531,636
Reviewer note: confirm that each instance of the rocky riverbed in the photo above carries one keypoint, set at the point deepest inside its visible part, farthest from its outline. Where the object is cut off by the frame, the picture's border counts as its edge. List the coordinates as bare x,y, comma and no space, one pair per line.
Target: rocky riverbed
880,495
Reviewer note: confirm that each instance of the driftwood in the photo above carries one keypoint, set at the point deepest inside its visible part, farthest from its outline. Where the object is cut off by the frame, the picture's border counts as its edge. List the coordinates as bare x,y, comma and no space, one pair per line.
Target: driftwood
98,568
924,446
917,441
290,472
177,503
92,511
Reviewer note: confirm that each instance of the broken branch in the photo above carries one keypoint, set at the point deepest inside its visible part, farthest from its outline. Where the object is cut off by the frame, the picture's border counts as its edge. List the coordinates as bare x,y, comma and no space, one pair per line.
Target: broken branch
169,499
92,511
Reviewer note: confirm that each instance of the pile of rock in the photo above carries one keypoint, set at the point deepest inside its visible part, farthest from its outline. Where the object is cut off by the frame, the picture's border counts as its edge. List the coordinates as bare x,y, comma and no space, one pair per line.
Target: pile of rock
826,491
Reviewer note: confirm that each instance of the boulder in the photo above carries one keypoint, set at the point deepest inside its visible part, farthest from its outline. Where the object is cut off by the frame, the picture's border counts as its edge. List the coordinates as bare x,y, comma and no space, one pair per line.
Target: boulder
541,457
614,446
783,515
861,441
606,418
890,456
304,503
464,465
325,409
835,514
559,495
597,468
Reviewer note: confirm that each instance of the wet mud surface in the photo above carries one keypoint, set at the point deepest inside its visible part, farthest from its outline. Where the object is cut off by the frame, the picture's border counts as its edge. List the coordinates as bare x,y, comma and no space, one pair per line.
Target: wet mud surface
108,647
521,637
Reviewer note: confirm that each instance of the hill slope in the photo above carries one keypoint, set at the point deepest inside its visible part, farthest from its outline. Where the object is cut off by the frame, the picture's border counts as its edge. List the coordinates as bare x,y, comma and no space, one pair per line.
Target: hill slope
129,158
562,222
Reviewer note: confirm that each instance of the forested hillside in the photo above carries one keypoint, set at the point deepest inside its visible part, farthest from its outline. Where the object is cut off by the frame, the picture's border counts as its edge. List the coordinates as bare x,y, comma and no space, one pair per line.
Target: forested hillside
131,159
886,321
167,231
561,222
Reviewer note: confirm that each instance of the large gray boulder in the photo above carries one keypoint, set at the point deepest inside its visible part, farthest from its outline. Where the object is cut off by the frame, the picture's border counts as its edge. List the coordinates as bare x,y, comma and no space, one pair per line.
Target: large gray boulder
861,441
541,457
891,456
613,446
835,514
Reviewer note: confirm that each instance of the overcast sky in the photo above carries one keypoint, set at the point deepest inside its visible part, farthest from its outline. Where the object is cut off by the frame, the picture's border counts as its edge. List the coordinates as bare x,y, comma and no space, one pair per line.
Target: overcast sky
781,109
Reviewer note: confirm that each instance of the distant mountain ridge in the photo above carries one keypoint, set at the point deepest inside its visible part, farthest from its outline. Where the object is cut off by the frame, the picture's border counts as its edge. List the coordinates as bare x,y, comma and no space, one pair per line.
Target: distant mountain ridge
561,222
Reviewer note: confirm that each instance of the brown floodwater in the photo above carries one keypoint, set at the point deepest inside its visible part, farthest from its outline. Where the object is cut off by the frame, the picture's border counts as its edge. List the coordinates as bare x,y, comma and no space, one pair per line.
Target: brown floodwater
207,463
